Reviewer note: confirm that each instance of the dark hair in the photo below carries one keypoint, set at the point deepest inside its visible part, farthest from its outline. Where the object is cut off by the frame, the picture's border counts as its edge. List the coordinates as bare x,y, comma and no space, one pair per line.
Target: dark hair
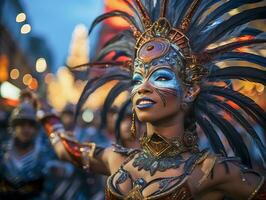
20,122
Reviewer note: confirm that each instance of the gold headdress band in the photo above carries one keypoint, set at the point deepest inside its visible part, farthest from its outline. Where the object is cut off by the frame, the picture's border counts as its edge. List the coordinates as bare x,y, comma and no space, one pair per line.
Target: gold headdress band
193,71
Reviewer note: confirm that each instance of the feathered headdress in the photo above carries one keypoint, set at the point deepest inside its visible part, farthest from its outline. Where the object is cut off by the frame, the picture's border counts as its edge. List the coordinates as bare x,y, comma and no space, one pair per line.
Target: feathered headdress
205,33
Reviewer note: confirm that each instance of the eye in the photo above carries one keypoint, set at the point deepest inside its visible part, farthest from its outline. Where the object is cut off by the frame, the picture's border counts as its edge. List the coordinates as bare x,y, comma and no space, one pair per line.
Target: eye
137,79
136,82
163,78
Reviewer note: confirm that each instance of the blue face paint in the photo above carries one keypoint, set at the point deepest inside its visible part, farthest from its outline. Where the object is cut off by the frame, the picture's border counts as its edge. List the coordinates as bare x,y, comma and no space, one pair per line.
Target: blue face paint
164,78
161,78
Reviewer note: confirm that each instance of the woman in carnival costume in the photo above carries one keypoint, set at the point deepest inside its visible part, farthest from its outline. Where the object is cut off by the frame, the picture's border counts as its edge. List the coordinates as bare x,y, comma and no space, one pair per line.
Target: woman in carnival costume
177,86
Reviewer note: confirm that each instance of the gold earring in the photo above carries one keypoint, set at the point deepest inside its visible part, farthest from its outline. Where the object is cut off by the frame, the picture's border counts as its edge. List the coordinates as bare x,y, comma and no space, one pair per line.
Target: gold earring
133,125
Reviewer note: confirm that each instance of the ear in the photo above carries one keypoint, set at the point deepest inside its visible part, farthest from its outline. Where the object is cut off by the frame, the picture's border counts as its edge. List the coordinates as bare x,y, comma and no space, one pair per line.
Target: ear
191,93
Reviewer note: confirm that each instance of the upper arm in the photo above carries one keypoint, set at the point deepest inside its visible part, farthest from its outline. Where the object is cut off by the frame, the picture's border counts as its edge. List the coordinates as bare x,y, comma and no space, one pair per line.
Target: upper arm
225,178
113,160
234,180
107,162
119,156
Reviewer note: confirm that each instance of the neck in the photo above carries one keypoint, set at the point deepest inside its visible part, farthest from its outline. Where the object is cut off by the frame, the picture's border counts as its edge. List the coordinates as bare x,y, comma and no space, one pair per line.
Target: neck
170,127
129,143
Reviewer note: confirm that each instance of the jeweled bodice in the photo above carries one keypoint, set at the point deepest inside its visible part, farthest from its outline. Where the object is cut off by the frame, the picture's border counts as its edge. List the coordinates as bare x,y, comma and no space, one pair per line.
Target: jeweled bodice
168,187
175,192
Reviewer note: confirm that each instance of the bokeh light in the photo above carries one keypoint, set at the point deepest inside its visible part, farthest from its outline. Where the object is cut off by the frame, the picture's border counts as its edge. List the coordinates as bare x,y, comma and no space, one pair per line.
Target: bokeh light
41,65
21,17
87,116
9,91
26,28
27,78
48,78
14,74
33,84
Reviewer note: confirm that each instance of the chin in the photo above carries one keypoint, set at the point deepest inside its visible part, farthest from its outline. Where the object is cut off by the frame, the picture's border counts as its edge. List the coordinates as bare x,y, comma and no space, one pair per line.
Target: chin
143,116
147,116
155,115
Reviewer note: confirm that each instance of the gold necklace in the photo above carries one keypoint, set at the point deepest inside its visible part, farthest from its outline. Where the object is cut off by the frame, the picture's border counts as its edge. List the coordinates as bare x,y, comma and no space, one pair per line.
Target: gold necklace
158,146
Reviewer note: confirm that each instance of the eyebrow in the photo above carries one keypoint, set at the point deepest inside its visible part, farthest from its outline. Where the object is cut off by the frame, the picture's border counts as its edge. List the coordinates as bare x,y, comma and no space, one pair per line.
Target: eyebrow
137,72
151,70
137,75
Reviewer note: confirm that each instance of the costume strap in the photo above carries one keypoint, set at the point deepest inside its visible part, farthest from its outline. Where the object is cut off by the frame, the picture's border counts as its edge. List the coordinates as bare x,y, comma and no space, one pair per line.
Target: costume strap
259,192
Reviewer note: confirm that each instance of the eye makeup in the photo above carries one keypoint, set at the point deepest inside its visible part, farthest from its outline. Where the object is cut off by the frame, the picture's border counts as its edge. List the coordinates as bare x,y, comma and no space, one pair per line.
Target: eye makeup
159,78
137,79
163,78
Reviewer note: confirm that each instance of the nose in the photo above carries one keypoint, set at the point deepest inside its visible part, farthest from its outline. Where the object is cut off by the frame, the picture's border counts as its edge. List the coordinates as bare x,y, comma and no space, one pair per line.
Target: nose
145,88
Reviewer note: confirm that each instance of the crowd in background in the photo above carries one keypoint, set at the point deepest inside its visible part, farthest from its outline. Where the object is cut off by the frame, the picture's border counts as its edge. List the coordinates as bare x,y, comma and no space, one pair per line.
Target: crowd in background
29,168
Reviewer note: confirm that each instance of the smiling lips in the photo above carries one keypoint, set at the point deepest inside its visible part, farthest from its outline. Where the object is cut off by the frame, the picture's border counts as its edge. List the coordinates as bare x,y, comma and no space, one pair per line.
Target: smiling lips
145,103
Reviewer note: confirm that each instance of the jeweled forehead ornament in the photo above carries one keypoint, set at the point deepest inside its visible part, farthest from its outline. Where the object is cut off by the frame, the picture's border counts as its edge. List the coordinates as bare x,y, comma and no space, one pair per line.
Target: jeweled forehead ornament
159,51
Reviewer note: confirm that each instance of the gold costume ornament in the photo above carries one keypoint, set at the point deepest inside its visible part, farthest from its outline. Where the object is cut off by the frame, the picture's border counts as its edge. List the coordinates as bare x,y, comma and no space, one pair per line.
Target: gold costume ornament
157,145
133,125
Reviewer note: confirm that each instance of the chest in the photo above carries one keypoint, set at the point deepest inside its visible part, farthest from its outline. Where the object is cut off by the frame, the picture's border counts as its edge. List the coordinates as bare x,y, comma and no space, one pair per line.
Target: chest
158,188
164,177
130,183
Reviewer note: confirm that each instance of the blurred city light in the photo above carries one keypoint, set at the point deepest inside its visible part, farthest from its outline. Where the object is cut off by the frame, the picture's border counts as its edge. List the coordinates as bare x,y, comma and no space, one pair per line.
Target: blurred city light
14,74
27,78
9,91
4,63
21,17
78,52
87,116
33,84
26,28
48,78
41,65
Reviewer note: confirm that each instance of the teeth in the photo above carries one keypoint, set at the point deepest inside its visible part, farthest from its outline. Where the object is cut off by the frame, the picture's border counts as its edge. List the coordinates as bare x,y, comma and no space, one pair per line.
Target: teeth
145,102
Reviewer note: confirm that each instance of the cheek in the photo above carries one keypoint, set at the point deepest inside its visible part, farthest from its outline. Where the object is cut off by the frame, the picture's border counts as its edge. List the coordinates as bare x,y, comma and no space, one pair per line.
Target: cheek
173,85
30,131
171,98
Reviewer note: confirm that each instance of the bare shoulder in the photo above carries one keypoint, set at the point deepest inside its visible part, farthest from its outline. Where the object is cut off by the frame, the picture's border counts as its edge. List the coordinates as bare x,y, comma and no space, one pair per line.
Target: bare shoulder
118,155
201,179
225,176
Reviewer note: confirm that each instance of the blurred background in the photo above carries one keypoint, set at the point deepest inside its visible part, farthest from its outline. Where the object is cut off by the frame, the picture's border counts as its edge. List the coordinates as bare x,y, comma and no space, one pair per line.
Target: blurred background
40,43
42,40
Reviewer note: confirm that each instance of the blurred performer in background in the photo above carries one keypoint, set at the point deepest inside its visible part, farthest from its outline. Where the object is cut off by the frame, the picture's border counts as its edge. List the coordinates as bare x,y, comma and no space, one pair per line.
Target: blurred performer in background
29,168
24,157
3,125
127,139
123,126
68,117
176,86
